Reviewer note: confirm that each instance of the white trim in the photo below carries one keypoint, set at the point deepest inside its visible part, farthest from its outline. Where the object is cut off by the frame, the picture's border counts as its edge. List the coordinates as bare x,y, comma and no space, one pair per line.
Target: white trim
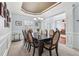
76,33
69,34
6,51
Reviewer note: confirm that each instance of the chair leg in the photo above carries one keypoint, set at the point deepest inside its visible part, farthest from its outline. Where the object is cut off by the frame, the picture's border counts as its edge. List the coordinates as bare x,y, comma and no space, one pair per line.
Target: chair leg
26,44
33,51
50,52
56,51
29,48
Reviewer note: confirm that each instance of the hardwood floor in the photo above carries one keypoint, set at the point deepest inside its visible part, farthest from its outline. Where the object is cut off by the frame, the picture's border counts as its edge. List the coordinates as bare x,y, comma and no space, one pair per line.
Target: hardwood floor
17,49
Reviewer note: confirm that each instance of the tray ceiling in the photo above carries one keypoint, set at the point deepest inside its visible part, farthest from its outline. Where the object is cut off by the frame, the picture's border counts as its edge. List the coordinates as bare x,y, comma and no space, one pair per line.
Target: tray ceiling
36,7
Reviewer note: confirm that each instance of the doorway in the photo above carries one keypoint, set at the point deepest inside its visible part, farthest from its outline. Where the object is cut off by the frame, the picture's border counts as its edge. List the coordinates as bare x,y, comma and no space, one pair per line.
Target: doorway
61,25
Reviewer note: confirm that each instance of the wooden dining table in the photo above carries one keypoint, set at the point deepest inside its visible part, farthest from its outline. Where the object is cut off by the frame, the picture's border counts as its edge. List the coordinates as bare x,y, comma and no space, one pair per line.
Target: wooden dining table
41,38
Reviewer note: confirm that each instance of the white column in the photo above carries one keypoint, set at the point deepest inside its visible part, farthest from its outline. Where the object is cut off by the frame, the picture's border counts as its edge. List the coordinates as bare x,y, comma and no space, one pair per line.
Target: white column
68,7
76,26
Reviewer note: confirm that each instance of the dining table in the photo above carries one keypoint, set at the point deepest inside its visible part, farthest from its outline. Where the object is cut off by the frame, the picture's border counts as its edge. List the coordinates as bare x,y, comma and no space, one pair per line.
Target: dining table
41,38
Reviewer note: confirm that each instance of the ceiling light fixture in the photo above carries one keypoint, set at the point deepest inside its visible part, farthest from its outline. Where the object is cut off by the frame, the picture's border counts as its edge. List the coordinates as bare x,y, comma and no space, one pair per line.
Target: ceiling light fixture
40,18
35,18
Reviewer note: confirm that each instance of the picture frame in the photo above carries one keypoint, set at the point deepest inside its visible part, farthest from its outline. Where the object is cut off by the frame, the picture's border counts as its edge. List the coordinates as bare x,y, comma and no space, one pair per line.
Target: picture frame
1,9
5,10
18,23
6,24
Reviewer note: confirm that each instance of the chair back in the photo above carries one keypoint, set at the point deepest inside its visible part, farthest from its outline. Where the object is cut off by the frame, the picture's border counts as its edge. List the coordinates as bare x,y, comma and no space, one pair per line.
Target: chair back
24,34
55,38
30,38
51,32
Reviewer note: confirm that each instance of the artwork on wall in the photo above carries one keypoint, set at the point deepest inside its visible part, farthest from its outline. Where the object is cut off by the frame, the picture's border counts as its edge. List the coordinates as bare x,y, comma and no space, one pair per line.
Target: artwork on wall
4,12
1,9
6,24
6,16
18,23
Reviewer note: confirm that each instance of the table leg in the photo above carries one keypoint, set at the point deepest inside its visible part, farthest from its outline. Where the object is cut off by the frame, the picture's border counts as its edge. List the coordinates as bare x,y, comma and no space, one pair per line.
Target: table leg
40,49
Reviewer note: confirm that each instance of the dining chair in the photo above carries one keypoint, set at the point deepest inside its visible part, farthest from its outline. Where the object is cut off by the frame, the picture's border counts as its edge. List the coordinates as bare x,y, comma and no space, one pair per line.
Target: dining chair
25,37
54,43
32,42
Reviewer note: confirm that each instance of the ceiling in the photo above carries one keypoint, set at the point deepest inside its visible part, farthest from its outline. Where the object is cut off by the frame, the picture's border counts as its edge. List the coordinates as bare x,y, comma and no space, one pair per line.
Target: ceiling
36,7
16,8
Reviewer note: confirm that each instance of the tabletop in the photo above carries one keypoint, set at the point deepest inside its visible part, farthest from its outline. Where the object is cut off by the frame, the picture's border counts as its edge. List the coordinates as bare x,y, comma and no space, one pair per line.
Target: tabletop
40,36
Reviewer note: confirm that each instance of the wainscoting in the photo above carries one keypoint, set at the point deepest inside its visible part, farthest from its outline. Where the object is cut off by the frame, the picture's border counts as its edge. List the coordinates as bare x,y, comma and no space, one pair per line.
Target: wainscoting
76,41
5,41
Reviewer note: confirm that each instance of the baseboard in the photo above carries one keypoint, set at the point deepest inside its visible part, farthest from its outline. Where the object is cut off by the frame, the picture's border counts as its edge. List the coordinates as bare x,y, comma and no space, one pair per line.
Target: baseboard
6,51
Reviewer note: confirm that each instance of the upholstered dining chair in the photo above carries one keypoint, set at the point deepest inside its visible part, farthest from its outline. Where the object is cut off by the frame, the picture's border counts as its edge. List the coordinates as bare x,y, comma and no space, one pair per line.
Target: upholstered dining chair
32,42
54,43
